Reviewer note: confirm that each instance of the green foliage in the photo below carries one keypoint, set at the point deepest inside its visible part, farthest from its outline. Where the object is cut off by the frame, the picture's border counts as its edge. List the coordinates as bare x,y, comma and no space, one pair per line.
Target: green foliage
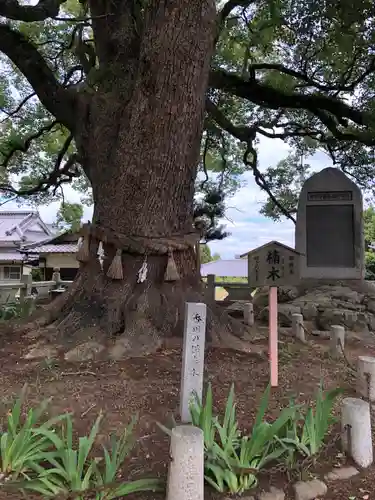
370,265
69,216
305,433
206,254
16,309
233,459
369,230
21,450
42,456
285,181
36,274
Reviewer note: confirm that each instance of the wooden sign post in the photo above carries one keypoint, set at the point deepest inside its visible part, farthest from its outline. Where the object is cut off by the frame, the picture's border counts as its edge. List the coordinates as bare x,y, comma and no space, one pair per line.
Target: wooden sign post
273,336
273,265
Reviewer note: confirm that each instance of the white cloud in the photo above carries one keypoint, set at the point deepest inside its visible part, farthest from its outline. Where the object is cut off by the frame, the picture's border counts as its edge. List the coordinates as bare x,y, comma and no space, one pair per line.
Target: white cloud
247,227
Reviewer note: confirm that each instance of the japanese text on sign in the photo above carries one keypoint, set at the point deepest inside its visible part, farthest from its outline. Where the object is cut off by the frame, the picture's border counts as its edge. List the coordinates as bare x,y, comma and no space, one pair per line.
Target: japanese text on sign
273,264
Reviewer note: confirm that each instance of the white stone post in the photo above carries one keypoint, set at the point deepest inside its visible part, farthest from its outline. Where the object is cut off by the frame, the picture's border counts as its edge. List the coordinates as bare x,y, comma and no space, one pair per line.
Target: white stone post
192,356
297,327
186,469
366,377
356,427
26,285
248,314
337,340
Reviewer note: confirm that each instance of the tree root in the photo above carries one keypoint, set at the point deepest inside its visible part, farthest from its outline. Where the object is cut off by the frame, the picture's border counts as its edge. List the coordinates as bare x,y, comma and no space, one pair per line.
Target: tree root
131,319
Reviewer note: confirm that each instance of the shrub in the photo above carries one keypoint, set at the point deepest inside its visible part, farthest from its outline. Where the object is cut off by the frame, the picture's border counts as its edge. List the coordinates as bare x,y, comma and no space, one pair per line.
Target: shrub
21,449
305,434
15,309
43,457
233,460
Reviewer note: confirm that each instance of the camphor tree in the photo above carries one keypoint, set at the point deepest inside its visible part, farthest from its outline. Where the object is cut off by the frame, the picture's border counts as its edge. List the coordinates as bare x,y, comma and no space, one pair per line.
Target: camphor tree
132,97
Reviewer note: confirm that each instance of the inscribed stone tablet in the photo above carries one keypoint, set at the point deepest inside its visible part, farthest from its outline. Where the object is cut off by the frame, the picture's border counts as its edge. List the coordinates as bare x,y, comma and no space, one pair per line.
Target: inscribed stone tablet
330,236
192,356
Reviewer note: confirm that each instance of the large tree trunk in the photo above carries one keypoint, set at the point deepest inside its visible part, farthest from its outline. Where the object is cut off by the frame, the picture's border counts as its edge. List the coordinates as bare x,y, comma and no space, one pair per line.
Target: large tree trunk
141,150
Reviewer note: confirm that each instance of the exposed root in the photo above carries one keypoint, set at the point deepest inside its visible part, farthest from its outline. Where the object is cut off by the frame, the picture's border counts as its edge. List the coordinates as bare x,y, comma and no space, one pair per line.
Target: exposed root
131,319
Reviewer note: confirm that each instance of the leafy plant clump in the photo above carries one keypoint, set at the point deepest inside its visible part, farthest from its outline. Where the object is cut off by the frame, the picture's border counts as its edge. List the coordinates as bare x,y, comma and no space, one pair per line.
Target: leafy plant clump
304,435
233,460
43,457
16,309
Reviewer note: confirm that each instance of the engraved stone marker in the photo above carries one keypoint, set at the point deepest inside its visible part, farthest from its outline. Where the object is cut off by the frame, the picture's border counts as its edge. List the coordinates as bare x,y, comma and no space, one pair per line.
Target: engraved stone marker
273,264
329,229
192,356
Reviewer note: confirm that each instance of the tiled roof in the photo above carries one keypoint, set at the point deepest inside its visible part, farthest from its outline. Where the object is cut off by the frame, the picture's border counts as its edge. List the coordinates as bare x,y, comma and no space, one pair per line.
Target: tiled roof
51,248
236,268
10,256
18,226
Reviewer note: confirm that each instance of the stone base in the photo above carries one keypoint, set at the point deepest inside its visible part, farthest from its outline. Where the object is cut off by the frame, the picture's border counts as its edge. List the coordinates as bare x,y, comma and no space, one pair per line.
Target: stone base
348,303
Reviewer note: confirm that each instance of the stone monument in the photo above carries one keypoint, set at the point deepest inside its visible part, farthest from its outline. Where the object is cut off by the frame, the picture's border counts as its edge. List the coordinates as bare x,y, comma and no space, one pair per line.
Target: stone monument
329,229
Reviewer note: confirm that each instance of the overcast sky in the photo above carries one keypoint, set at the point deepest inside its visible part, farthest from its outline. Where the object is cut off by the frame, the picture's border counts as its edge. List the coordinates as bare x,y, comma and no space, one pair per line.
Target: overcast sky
248,229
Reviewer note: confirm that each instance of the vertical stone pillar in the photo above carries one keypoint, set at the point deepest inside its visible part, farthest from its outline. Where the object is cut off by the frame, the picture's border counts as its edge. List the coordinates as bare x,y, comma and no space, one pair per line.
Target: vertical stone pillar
366,377
186,469
356,427
297,327
337,340
192,356
248,314
26,285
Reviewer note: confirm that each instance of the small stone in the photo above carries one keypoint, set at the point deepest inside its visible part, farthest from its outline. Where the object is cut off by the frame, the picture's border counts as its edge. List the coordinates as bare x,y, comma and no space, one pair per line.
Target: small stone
310,490
341,473
273,494
84,352
42,351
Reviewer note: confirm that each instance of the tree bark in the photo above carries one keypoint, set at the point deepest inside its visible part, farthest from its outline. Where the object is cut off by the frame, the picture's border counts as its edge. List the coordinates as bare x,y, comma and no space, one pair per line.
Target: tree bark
140,149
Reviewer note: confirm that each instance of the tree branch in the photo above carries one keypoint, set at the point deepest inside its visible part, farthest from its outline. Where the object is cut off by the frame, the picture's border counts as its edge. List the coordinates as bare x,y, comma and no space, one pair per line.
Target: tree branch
247,135
10,114
323,107
309,81
226,10
230,5
44,9
59,175
59,101
23,148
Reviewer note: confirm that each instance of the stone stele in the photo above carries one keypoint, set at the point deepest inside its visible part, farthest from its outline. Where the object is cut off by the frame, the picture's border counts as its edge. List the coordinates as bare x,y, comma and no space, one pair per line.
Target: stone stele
329,229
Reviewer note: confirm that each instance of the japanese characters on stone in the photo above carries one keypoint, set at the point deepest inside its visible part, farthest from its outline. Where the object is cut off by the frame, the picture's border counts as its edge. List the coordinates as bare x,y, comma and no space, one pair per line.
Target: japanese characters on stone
197,321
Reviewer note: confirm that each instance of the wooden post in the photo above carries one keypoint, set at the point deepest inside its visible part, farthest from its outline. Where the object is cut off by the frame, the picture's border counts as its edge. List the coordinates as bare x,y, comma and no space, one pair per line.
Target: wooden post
211,285
273,341
25,288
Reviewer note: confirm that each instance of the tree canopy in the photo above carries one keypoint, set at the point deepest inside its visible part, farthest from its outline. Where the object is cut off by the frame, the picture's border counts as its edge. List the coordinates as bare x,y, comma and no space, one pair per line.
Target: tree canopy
299,71
69,217
206,256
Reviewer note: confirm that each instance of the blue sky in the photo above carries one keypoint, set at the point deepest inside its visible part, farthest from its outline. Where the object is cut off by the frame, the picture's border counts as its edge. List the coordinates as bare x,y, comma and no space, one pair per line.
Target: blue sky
247,227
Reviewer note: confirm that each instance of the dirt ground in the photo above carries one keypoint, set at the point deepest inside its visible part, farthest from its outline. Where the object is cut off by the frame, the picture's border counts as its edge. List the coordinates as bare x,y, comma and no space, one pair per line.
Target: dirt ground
150,386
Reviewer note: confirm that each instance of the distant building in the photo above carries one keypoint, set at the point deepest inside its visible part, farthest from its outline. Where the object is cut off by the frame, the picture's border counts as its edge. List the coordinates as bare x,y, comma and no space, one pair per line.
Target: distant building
236,268
55,251
18,228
